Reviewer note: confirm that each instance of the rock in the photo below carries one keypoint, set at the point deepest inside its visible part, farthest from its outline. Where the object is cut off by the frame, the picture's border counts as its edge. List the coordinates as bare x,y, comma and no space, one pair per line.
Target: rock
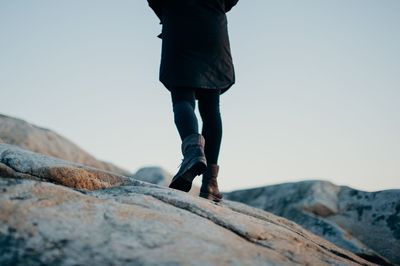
145,224
41,140
101,218
19,163
365,223
157,175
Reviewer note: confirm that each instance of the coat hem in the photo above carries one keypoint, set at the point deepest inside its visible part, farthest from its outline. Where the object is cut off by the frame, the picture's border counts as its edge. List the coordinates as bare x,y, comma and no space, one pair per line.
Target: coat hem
222,88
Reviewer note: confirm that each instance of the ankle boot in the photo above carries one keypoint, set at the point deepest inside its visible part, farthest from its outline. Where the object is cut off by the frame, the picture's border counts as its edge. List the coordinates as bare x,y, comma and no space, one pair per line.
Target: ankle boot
194,162
209,187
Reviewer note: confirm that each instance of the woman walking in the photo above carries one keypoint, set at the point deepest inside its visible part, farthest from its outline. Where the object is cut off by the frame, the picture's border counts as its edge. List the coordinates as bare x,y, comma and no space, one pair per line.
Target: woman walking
196,64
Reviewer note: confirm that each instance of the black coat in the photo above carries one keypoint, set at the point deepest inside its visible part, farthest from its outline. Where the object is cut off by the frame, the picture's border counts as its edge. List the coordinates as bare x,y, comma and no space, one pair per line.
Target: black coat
195,43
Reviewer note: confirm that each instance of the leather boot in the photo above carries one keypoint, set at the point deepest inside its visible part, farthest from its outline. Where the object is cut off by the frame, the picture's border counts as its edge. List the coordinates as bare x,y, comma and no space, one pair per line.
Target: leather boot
209,187
194,162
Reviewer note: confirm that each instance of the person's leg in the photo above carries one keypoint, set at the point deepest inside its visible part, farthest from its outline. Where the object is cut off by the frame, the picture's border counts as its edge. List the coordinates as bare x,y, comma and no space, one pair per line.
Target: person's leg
183,102
212,122
212,132
194,162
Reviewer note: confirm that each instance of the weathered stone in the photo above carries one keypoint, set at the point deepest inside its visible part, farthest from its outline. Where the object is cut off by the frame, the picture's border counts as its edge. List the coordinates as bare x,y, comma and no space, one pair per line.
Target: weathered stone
41,140
20,163
366,223
47,224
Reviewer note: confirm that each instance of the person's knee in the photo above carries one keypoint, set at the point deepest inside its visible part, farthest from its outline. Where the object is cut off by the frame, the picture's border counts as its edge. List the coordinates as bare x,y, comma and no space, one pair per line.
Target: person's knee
182,96
183,107
209,110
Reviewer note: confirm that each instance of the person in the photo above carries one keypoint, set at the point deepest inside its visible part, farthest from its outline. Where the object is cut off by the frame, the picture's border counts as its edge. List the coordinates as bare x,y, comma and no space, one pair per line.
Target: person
196,64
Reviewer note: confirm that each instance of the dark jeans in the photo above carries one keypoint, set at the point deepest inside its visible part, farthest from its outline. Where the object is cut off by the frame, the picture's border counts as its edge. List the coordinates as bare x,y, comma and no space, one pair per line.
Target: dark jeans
184,102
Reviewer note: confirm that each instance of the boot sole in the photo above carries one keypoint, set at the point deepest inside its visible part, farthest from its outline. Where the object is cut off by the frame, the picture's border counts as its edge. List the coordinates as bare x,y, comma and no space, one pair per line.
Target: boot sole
210,197
184,181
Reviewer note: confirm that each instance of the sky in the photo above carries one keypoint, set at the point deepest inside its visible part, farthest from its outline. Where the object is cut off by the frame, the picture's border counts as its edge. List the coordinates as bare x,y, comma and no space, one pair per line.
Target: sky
317,92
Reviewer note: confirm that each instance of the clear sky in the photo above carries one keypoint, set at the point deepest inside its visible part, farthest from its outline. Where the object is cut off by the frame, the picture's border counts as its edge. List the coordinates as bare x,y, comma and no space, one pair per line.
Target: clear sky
317,93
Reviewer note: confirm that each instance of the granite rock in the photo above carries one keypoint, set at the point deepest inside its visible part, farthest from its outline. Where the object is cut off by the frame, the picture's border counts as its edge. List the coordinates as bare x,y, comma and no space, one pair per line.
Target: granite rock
41,140
140,224
19,163
81,215
365,223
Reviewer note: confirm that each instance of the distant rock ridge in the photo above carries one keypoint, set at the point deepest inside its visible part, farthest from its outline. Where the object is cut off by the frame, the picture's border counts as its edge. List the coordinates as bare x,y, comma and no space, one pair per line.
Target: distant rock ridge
366,223
55,212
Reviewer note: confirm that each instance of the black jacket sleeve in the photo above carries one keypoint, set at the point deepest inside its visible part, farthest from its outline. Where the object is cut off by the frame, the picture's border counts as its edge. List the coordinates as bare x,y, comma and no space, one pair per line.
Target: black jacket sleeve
156,5
229,4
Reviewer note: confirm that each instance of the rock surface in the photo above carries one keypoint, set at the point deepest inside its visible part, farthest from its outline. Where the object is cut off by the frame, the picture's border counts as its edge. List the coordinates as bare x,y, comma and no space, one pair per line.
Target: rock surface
366,223
53,225
130,222
37,139
19,163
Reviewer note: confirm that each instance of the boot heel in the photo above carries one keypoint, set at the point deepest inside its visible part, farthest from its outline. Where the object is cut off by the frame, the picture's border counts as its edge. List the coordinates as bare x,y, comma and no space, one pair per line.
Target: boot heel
199,168
209,187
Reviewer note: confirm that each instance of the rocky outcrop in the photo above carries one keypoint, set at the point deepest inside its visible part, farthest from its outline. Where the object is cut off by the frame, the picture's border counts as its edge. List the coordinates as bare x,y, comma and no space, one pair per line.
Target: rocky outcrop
157,175
366,223
130,222
37,139
19,163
